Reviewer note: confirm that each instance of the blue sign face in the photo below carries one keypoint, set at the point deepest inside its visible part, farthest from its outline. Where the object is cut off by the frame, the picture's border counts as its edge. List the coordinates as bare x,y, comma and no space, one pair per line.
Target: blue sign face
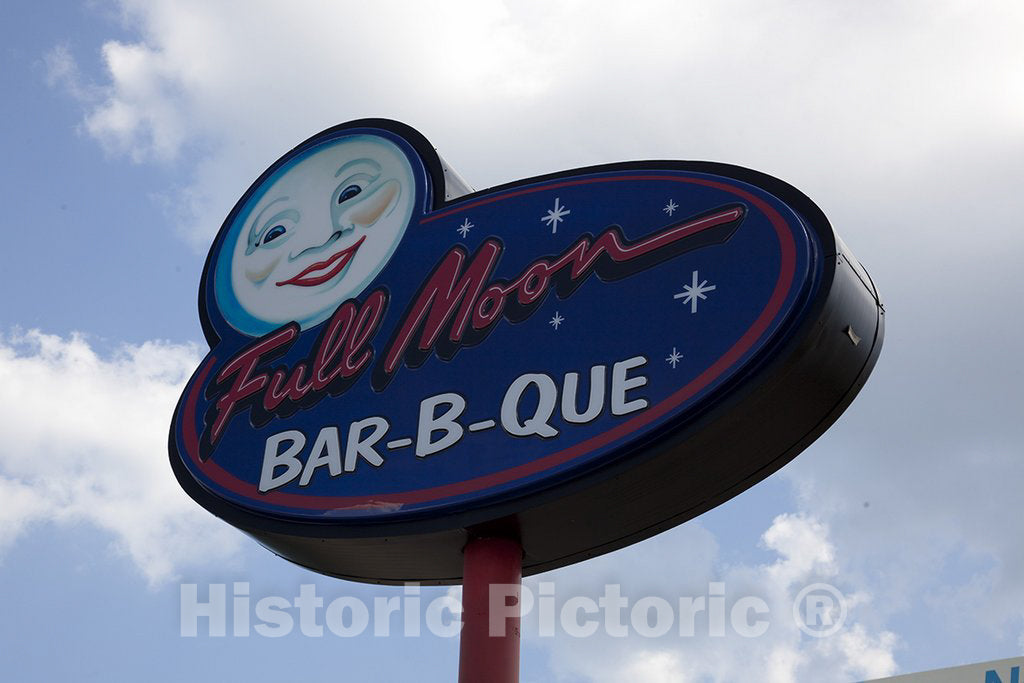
380,355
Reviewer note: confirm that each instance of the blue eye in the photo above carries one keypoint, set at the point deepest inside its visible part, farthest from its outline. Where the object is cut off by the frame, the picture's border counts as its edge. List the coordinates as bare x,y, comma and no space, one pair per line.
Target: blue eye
273,234
348,193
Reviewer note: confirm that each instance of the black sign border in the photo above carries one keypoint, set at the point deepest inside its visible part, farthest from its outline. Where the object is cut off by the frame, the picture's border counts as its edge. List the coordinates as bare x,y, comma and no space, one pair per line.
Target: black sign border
622,502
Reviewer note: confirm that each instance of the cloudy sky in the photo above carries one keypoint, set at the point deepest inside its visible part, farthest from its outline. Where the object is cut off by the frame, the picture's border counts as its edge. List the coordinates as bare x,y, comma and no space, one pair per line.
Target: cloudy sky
130,128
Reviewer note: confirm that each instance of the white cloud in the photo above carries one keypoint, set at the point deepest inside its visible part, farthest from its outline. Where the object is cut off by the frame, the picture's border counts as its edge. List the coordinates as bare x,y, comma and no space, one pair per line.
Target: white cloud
140,115
684,563
805,91
803,545
85,440
62,71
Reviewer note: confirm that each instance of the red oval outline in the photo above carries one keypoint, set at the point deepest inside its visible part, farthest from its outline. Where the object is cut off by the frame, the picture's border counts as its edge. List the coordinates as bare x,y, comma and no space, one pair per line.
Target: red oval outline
787,268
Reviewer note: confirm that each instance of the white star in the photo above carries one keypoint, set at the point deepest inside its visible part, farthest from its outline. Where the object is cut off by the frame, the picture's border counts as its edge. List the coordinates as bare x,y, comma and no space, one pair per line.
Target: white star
691,293
674,358
556,321
464,228
671,207
555,216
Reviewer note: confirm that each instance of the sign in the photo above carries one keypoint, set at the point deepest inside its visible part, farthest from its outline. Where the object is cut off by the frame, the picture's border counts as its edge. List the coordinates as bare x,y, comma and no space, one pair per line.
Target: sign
584,358
1000,671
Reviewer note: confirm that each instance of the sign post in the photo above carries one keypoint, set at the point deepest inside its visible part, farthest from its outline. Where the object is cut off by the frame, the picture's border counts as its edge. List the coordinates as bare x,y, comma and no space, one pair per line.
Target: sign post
489,643
587,358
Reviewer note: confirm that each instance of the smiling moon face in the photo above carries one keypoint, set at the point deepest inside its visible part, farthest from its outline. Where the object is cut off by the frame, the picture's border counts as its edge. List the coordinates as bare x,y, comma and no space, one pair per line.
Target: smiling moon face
315,234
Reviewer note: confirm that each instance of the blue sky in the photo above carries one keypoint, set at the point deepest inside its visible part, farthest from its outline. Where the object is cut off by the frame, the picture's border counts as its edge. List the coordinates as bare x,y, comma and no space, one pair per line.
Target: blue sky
130,128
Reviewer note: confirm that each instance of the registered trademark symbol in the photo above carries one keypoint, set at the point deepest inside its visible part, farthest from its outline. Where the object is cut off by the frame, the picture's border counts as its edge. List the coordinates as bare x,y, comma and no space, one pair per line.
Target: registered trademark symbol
819,610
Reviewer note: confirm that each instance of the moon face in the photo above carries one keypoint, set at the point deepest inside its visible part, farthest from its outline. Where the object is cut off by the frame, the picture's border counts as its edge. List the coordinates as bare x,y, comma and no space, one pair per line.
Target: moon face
315,234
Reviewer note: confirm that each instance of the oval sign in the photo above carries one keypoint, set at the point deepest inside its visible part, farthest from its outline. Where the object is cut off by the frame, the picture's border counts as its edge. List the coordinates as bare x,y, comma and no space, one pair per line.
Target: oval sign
390,365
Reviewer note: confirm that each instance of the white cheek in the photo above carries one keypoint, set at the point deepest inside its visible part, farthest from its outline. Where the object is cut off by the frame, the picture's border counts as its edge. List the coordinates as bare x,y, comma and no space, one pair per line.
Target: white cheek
258,266
384,198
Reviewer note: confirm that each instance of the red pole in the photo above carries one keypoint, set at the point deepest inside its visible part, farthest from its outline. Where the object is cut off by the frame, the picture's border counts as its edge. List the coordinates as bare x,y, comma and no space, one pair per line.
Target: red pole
489,655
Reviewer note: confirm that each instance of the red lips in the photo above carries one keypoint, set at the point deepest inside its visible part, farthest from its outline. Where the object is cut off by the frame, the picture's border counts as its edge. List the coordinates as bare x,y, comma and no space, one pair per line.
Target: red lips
327,268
